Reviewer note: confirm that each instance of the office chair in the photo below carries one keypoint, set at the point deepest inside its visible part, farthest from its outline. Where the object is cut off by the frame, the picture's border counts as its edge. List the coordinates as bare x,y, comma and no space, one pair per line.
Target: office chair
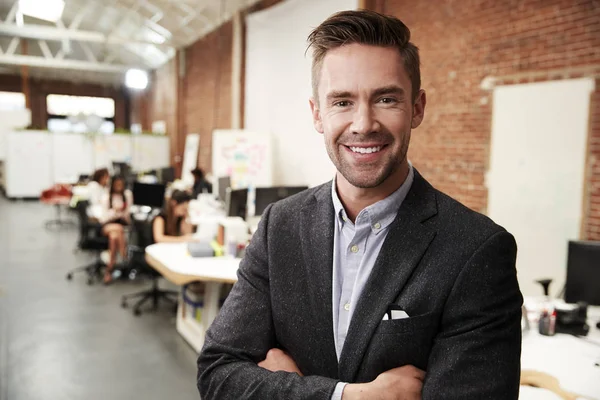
90,239
142,231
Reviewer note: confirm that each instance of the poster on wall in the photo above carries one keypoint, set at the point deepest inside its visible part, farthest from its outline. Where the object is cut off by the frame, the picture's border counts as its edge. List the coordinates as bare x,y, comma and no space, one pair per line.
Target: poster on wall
190,157
243,155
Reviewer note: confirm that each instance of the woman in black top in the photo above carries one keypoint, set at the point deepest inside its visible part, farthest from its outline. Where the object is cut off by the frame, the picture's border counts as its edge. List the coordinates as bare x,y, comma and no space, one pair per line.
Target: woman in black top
171,224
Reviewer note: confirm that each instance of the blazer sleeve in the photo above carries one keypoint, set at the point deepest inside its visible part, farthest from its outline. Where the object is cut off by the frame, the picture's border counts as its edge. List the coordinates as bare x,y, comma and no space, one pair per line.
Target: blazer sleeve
243,333
477,354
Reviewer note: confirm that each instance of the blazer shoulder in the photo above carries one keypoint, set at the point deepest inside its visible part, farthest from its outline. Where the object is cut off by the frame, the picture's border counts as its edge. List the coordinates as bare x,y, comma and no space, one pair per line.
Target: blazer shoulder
292,205
460,218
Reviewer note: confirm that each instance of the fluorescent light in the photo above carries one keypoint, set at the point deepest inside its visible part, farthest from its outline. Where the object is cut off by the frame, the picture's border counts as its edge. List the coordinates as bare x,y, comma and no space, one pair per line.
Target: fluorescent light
136,79
48,10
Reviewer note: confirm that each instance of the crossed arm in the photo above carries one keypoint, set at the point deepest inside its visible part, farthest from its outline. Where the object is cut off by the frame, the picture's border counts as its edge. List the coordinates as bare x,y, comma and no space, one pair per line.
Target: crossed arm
475,355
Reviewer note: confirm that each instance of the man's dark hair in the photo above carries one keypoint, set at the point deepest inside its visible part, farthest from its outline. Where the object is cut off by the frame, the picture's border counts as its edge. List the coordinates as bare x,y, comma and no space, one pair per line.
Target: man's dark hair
364,27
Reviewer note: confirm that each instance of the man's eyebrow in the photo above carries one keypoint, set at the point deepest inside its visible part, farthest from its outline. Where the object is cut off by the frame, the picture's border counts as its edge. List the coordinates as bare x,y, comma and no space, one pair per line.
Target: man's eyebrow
338,94
392,89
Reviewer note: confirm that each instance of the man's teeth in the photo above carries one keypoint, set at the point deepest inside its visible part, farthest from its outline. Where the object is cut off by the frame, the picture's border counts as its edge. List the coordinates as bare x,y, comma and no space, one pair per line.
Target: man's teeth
366,150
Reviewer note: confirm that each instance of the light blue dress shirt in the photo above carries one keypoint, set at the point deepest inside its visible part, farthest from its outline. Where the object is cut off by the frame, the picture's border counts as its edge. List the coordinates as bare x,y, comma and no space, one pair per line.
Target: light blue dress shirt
355,249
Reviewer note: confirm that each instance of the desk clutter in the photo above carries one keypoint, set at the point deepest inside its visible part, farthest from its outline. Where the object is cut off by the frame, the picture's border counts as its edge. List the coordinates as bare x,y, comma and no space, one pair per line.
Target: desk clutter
206,230
561,335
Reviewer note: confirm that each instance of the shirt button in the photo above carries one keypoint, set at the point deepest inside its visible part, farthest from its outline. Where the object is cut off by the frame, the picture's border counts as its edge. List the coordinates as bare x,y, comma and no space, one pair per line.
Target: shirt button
354,249
377,225
347,306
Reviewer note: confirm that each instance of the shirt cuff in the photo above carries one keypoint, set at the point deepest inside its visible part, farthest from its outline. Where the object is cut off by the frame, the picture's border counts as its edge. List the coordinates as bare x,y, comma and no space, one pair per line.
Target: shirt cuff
339,389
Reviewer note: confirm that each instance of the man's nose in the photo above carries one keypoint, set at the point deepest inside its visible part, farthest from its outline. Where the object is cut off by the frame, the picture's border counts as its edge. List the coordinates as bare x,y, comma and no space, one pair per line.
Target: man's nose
364,120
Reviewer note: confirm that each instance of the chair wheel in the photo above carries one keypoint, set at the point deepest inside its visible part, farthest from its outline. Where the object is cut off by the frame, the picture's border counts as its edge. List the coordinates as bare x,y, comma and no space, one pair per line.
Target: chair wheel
137,312
123,303
90,281
69,276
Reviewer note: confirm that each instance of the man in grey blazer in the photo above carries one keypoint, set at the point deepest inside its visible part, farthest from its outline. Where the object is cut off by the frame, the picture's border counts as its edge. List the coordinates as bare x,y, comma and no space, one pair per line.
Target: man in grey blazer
374,285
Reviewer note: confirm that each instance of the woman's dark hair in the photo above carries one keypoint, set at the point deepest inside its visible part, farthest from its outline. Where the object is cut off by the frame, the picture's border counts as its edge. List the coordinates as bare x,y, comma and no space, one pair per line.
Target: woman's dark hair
113,181
99,174
198,174
171,222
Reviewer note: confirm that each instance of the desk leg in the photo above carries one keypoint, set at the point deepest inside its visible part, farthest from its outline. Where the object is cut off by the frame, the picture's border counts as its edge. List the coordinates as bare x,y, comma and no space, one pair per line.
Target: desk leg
192,331
212,293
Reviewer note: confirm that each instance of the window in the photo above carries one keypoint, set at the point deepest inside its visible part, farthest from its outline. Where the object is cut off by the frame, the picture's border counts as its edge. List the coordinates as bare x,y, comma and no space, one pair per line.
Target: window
80,114
10,101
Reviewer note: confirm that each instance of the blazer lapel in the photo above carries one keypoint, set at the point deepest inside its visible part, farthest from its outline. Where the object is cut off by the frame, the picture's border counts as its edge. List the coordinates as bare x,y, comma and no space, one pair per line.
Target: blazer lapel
404,246
317,219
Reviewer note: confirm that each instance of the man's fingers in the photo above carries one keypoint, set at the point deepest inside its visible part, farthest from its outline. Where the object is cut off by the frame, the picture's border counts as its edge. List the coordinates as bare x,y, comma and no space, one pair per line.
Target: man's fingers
413,371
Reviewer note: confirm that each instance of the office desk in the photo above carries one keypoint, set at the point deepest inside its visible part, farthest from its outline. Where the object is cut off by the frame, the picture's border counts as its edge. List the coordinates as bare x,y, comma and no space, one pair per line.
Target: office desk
173,262
567,358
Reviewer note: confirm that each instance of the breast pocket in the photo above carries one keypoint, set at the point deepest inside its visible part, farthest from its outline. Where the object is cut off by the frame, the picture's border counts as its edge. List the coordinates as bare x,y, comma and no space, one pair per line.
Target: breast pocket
400,342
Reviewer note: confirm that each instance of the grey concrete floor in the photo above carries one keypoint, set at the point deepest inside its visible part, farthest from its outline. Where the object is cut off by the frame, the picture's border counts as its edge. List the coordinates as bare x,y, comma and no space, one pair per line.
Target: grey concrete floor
62,340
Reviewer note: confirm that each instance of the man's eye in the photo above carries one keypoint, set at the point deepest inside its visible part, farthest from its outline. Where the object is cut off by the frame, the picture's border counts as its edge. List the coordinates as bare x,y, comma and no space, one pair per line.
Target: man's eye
388,100
342,103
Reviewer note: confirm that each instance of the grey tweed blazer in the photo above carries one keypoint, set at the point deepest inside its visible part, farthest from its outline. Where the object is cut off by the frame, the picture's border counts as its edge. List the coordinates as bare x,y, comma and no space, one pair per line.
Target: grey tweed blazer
451,269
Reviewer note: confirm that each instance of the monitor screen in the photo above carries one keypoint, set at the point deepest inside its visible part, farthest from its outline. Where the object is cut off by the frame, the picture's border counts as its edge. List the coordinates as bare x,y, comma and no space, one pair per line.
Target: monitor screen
224,183
265,196
121,168
166,175
583,273
149,194
237,202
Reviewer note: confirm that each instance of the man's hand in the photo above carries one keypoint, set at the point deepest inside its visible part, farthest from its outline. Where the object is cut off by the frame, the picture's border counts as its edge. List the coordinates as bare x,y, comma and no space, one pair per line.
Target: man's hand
403,383
279,360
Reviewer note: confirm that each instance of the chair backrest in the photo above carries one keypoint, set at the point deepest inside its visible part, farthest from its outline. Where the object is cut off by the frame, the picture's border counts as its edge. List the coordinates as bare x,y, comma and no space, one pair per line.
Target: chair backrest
143,232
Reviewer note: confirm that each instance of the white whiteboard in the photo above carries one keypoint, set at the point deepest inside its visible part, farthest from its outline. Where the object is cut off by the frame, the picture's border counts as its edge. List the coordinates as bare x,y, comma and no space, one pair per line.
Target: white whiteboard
150,152
190,157
537,172
10,120
244,156
278,87
72,155
112,148
28,164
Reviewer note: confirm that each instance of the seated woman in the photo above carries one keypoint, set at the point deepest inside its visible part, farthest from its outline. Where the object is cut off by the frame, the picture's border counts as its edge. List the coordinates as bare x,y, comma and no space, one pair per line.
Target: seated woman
201,185
97,188
171,224
115,216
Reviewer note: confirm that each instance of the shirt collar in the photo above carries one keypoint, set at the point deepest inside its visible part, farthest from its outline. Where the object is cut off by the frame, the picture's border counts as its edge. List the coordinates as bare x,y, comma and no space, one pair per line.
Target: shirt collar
380,214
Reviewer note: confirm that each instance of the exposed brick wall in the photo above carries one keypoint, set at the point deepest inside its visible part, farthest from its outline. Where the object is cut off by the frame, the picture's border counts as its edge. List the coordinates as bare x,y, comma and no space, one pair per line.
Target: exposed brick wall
207,88
592,200
461,43
39,89
164,107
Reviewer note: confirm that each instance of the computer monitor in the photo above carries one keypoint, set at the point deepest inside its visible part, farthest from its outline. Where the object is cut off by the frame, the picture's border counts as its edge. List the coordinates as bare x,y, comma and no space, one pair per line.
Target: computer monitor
237,203
583,273
224,183
121,168
166,175
267,195
149,194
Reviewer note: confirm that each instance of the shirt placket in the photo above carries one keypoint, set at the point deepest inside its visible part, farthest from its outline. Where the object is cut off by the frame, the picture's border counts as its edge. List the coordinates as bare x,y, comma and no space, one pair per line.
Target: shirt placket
353,255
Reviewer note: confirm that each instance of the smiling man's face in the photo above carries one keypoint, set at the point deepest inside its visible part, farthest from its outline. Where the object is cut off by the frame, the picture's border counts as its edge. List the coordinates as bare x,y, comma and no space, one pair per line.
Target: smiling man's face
366,113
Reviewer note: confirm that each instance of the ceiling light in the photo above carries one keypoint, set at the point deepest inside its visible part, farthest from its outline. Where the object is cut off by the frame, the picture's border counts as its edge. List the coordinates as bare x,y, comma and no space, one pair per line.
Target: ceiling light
48,10
136,79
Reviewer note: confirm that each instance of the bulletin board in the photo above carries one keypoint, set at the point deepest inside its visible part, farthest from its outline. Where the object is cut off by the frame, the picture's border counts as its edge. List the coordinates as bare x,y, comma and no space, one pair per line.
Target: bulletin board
245,156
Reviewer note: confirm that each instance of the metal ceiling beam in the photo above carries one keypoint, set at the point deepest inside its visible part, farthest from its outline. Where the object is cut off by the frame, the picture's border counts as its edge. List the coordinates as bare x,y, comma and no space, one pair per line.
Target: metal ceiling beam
51,33
41,62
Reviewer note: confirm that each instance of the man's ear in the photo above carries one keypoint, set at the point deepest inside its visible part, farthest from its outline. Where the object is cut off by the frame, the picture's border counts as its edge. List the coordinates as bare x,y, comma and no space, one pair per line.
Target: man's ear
419,109
316,113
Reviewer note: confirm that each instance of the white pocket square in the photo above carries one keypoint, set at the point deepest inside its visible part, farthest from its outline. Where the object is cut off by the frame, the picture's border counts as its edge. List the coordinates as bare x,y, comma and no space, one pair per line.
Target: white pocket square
396,314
